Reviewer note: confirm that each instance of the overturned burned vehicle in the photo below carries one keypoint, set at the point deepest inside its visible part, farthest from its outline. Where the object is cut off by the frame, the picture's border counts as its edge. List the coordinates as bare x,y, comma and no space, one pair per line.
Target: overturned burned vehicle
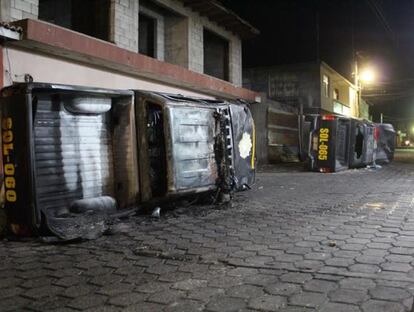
75,158
329,146
190,145
69,157
337,143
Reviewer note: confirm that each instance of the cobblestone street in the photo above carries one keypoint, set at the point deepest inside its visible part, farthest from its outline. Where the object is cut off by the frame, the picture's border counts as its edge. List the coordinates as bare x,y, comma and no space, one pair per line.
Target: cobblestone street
298,241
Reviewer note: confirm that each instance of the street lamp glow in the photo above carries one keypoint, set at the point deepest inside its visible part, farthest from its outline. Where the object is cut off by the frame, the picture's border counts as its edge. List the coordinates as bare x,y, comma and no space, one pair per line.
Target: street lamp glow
367,75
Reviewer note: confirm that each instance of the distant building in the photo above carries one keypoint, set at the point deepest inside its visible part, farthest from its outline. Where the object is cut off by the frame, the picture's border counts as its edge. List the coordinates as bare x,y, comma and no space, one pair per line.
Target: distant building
315,86
179,46
311,87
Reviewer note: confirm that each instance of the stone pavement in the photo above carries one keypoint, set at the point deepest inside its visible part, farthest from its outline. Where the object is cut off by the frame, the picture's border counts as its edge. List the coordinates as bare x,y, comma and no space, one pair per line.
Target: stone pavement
298,241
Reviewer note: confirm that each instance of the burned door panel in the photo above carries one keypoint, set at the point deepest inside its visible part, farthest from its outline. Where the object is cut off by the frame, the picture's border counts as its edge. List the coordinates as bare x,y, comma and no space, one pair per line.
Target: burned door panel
243,133
369,148
80,157
386,142
176,145
361,147
192,145
71,142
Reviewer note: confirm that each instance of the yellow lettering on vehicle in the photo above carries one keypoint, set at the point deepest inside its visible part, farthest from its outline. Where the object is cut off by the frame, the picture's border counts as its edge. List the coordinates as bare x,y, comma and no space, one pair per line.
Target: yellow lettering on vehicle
7,123
323,146
9,168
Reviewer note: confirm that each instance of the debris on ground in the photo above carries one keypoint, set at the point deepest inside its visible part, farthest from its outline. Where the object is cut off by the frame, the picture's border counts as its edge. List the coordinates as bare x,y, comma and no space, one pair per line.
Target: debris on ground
156,213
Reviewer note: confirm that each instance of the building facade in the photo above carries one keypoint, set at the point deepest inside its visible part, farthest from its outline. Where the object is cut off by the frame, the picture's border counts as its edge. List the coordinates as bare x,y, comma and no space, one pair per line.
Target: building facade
315,87
180,46
292,89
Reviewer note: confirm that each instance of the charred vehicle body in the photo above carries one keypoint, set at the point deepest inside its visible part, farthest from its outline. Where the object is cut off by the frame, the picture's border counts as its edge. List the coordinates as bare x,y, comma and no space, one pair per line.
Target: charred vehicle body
190,145
361,143
76,157
386,142
338,143
328,149
69,158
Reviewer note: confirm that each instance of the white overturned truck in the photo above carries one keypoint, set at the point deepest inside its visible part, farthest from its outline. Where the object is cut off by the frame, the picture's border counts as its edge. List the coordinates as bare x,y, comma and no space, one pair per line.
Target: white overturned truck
74,157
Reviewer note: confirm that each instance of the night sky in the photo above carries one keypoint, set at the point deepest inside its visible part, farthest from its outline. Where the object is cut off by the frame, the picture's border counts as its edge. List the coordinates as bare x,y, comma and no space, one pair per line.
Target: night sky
381,31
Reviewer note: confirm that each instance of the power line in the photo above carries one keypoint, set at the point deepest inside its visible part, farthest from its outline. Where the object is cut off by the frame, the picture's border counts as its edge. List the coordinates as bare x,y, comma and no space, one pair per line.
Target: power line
405,80
387,96
388,92
375,7
393,118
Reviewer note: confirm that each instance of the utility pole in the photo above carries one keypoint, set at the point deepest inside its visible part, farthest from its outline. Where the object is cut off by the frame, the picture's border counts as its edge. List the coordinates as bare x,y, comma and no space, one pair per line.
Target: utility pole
358,84
317,17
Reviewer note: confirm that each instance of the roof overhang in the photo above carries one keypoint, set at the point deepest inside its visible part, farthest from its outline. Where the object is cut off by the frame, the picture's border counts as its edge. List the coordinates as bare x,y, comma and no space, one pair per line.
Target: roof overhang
226,18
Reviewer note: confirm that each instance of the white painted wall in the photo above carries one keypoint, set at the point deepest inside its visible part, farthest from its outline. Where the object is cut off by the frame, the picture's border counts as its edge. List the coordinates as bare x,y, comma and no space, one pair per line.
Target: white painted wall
54,70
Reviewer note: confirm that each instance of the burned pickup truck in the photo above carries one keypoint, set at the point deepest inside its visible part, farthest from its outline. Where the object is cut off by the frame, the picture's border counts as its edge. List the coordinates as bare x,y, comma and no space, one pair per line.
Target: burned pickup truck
69,157
338,142
76,157
189,145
